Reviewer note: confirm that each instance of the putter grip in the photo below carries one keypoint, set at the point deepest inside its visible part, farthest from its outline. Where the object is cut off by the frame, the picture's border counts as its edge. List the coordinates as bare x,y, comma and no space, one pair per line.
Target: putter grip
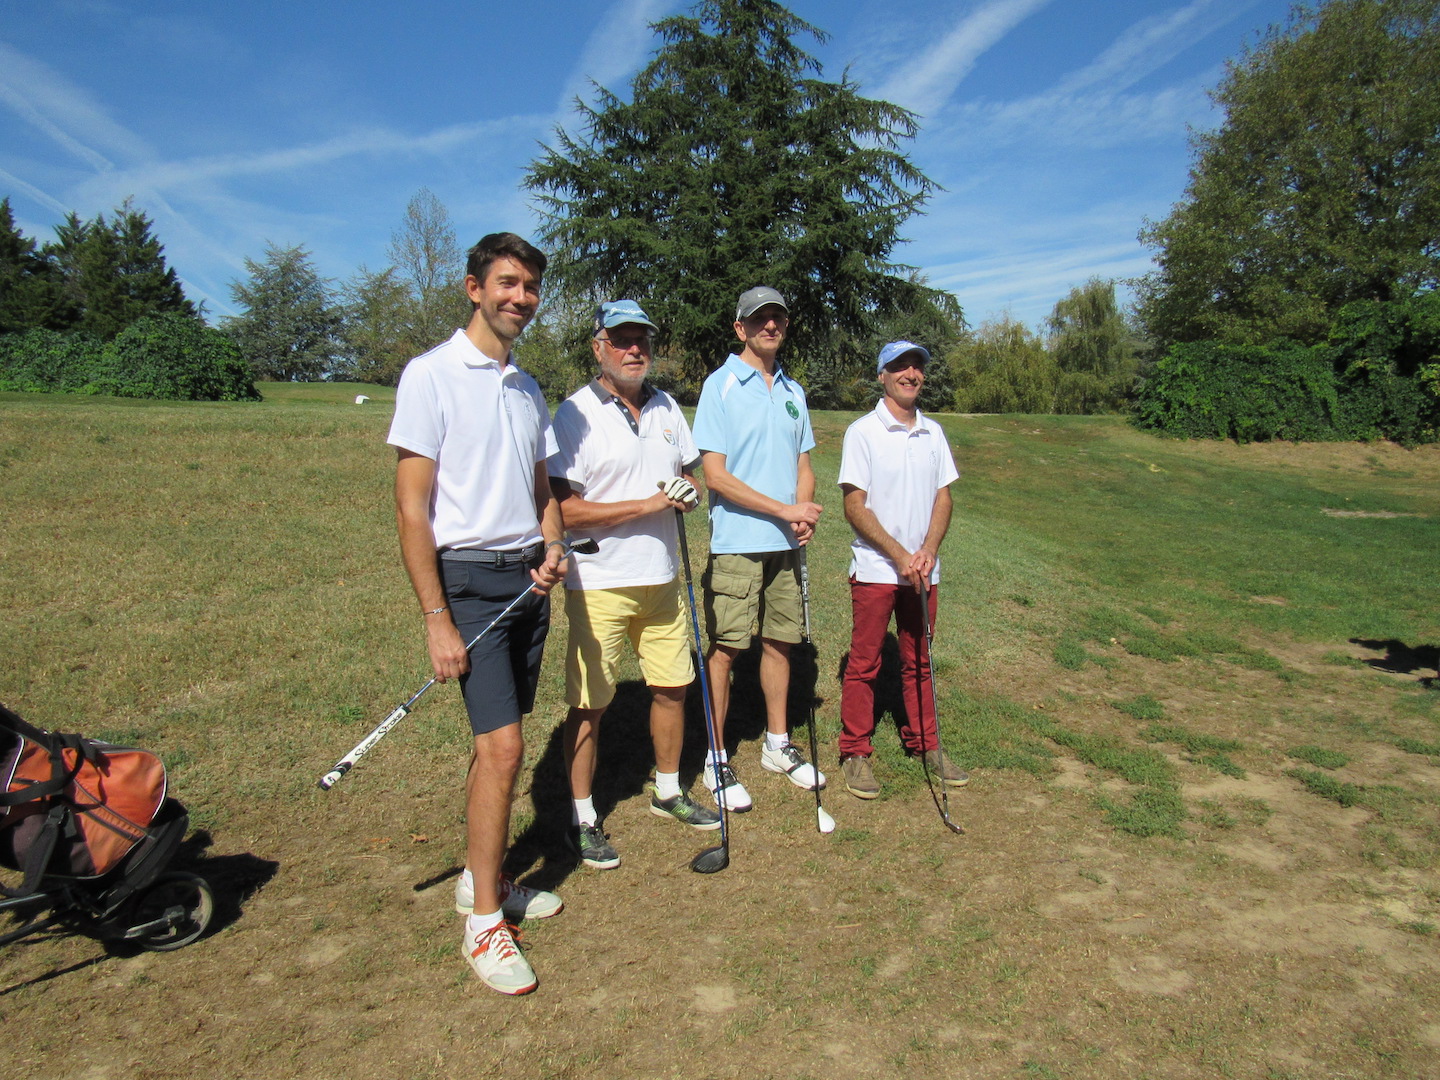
332,777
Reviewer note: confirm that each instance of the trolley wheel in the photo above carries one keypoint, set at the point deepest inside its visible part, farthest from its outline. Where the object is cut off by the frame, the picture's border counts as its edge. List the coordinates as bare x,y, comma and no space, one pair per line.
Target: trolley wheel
172,912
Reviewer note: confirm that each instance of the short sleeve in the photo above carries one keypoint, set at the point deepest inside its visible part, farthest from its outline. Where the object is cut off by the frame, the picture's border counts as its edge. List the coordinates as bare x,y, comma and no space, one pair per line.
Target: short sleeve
710,424
855,459
418,425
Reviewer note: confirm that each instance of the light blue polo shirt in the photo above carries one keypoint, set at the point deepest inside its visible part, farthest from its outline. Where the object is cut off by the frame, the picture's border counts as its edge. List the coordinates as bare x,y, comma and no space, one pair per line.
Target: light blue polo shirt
762,433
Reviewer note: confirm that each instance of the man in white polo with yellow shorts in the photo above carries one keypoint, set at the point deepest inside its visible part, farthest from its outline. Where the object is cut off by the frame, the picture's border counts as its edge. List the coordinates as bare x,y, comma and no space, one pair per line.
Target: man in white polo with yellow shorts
624,466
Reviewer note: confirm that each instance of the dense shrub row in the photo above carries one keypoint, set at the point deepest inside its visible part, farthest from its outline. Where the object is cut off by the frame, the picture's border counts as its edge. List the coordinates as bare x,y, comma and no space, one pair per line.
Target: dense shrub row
1374,378
173,357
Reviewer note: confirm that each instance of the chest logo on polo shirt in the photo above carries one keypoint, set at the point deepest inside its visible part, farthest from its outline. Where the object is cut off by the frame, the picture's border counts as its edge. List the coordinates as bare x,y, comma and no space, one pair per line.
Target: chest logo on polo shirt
792,410
670,436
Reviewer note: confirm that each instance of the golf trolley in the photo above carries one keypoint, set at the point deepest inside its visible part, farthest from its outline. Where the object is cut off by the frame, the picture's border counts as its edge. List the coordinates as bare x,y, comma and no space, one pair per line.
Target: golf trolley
92,831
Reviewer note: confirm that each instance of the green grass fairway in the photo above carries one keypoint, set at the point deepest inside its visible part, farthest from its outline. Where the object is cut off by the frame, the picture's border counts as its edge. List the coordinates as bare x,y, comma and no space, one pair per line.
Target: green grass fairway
1194,684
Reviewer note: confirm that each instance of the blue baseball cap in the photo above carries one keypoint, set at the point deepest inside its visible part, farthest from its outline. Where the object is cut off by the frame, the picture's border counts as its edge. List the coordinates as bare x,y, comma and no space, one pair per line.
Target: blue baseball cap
618,313
896,349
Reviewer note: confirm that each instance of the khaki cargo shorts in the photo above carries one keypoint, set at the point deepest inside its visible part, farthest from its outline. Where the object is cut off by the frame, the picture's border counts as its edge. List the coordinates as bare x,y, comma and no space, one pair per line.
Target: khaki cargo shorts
750,594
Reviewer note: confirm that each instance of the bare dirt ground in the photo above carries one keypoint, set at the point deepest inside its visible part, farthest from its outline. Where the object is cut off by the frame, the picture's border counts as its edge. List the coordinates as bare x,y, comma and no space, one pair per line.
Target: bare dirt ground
1284,936
1290,940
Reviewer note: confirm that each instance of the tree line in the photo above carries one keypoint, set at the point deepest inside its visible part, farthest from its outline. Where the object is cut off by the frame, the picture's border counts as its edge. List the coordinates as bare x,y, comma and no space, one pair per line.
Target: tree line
1294,292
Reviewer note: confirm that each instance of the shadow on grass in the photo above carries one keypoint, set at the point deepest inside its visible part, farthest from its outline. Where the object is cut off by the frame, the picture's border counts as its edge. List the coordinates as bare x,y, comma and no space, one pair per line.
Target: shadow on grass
1399,658
626,759
233,878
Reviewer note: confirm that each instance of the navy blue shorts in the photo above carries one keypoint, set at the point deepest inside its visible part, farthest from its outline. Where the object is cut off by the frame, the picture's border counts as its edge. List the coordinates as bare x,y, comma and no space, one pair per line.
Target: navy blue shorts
499,688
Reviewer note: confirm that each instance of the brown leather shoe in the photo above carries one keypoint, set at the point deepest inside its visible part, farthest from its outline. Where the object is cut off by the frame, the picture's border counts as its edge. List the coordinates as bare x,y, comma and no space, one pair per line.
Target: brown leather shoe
859,777
950,774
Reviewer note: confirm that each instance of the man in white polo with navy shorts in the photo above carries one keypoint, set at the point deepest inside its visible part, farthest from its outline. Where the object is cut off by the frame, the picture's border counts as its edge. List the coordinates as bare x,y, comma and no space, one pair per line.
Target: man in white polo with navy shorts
895,474
623,466
477,527
753,430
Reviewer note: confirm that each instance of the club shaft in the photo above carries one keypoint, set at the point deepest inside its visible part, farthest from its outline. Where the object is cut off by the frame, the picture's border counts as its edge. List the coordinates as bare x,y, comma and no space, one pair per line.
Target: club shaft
711,731
805,613
365,745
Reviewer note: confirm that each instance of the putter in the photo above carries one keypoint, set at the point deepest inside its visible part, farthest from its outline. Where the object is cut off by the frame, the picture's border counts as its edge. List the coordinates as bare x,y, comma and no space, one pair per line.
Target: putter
585,546
712,859
823,821
942,801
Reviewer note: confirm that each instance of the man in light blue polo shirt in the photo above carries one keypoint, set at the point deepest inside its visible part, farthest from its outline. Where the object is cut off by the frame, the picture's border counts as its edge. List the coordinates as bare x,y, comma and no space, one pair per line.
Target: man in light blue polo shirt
753,431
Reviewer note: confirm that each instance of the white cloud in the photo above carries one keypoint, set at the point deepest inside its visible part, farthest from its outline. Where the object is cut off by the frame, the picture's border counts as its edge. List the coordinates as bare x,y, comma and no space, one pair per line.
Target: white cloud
619,45
63,112
926,83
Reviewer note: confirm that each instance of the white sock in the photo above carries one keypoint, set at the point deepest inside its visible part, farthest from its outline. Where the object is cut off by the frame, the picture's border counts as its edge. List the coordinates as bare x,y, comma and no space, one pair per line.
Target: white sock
776,742
584,811
667,784
478,924
717,759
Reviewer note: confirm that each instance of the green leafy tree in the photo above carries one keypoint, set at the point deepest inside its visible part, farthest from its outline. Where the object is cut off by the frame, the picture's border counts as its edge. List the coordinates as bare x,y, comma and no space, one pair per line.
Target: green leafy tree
290,329
377,333
1003,368
732,164
428,260
31,289
1320,188
115,271
1094,349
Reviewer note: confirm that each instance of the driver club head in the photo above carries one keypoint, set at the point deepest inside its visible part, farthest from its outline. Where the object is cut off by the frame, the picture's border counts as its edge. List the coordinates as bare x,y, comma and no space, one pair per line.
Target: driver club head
711,860
585,546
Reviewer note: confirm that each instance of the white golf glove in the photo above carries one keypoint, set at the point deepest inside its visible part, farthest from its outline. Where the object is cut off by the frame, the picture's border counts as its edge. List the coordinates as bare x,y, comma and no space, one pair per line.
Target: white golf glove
678,489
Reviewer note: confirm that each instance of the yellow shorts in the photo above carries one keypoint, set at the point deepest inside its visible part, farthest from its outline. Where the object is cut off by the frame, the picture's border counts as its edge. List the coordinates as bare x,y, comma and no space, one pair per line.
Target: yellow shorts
654,620
746,594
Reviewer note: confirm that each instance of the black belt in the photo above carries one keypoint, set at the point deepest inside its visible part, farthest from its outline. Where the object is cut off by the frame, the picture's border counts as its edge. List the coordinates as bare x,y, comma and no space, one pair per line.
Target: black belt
497,559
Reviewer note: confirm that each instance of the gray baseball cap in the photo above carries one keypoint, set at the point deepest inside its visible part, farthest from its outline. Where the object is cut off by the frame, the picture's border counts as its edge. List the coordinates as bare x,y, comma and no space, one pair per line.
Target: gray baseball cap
752,300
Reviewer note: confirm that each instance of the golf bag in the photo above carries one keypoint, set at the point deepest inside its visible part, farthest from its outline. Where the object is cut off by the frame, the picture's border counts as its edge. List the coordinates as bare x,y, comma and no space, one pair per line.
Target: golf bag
73,807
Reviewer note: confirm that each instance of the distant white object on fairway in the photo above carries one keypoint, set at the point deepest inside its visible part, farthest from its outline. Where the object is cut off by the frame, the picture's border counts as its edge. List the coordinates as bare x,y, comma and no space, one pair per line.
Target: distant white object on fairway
360,399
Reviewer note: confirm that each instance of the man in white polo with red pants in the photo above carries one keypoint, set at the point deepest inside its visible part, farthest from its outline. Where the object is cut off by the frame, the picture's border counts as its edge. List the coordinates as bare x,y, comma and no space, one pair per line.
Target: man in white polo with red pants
895,474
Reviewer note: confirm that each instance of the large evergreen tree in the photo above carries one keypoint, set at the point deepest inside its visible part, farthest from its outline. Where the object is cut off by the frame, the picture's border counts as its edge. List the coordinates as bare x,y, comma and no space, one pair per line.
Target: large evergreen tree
30,285
115,271
290,328
734,164
1320,188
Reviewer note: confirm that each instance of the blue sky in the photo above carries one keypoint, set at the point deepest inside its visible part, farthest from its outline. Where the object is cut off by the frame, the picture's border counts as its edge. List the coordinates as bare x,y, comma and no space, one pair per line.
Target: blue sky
1055,126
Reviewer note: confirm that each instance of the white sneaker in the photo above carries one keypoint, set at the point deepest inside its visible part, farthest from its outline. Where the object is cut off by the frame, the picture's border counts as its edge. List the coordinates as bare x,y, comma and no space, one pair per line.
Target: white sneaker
497,960
787,760
737,799
516,901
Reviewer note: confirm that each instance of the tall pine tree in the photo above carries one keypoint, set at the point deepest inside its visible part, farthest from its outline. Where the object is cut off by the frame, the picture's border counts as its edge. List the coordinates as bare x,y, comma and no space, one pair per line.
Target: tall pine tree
31,293
734,164
115,271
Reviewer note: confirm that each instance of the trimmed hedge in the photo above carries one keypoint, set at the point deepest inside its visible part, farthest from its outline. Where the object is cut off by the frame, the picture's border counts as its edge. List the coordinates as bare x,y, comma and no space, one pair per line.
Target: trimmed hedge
170,357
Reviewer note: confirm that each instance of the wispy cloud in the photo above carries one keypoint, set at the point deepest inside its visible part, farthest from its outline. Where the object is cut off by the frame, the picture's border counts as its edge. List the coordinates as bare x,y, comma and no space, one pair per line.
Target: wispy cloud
64,113
926,83
618,46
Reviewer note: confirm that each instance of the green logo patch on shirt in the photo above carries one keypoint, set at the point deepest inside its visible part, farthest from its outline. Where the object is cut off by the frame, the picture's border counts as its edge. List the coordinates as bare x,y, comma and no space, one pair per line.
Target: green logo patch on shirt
794,412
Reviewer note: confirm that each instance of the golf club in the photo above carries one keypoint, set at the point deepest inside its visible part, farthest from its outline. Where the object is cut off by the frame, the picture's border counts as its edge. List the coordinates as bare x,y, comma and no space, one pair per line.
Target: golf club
942,801
585,546
823,821
712,859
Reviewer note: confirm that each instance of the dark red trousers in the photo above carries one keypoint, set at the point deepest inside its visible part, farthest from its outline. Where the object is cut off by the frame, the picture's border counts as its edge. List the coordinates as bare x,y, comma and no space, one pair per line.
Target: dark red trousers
871,607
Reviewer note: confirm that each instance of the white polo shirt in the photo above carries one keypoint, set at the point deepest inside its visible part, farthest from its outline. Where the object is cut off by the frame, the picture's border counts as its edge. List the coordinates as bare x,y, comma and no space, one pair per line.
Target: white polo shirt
486,431
607,457
900,470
